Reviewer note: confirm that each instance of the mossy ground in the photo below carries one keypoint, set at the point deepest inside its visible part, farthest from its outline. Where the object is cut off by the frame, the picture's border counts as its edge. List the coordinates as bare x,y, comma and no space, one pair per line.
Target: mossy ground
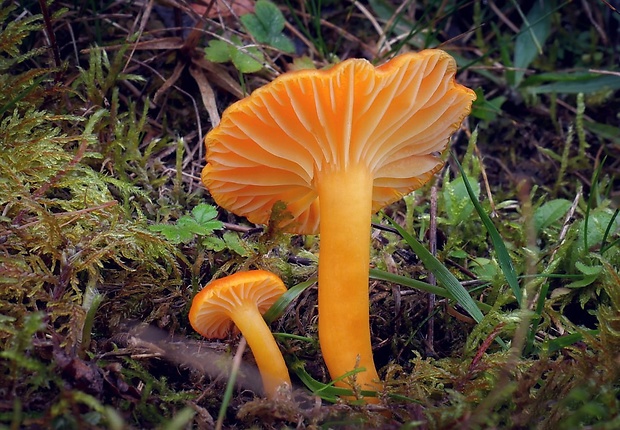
103,108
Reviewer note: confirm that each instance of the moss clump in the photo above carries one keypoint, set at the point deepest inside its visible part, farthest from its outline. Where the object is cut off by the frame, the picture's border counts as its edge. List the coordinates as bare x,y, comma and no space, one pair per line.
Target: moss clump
67,244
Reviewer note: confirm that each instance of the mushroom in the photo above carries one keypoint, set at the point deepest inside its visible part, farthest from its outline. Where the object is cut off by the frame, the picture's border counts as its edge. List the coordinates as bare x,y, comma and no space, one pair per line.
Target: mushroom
336,146
242,298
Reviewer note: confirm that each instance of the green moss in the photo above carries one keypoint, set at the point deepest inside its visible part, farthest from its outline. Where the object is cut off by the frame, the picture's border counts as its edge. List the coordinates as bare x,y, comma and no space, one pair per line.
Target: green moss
61,230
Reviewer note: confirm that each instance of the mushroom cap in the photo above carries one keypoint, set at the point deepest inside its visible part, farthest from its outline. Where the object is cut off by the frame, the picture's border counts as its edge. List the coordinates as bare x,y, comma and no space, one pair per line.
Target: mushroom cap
395,119
210,314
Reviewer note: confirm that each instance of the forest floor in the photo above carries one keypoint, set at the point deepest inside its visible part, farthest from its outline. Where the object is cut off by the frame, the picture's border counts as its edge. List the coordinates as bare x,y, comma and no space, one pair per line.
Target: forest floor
494,288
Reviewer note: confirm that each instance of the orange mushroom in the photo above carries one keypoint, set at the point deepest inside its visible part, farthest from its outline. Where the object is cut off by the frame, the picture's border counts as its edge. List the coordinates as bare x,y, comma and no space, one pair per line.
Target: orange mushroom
336,146
242,298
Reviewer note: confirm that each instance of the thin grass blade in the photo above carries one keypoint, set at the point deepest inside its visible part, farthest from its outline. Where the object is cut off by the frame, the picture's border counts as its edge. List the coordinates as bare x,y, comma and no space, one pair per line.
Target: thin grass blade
443,275
382,275
285,299
327,392
503,258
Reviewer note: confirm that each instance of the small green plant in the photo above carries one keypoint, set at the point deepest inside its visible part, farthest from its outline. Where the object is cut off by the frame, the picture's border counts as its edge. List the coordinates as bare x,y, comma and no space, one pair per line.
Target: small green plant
201,222
246,59
200,226
266,25
100,79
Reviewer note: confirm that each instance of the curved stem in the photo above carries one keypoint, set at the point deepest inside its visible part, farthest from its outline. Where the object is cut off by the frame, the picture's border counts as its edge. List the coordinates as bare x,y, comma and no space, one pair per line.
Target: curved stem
269,360
344,329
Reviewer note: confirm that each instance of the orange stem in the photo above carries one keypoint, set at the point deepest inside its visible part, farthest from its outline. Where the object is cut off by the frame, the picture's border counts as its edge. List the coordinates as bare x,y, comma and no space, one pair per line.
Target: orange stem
345,198
271,365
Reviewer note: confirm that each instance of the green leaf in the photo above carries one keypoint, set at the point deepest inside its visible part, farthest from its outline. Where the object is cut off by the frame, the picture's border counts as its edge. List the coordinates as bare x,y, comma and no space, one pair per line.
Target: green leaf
302,63
248,60
588,270
218,51
326,392
189,224
590,274
269,16
205,215
487,110
410,282
458,253
549,213
574,83
173,233
484,268
578,78
200,223
255,27
605,131
214,243
532,37
266,25
229,240
282,43
235,244
562,342
597,222
419,285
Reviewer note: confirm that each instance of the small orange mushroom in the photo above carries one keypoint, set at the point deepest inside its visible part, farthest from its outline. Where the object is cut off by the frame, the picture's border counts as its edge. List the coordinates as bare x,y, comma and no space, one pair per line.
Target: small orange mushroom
336,146
242,299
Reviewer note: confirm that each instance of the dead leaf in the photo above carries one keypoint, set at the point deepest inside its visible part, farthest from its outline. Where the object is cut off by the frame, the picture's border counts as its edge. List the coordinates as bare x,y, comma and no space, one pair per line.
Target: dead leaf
169,82
163,43
223,8
207,94
220,77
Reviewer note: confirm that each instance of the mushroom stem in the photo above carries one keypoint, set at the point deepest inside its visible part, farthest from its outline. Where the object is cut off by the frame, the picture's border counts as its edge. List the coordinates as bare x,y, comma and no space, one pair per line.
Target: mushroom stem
344,327
271,365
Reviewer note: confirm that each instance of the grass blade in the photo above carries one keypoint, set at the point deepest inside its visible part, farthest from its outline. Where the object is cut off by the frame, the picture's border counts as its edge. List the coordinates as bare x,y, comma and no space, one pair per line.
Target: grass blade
591,203
409,282
285,299
326,392
443,275
562,342
503,258
418,285
230,385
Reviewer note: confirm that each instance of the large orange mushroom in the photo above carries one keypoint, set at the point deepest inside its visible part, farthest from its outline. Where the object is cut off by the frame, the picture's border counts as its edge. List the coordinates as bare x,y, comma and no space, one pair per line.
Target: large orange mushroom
336,146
